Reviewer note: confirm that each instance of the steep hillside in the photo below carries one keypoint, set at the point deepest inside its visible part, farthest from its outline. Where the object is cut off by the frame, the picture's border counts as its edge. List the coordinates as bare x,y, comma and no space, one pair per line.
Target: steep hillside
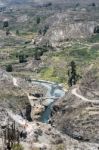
63,27
77,114
59,37
12,96
90,84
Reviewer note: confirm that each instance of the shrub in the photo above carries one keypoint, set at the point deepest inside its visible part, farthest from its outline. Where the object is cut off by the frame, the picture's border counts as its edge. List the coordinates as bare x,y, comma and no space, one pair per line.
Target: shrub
38,52
9,68
60,147
93,4
17,32
47,4
37,55
45,29
22,58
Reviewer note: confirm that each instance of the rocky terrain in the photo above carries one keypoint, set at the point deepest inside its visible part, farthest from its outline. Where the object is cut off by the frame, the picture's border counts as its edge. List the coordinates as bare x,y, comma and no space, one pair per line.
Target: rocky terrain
41,135
37,44
69,25
77,113
13,97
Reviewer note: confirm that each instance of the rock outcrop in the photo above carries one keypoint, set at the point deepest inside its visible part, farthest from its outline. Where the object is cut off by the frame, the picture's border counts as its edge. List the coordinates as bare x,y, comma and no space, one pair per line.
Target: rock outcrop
62,27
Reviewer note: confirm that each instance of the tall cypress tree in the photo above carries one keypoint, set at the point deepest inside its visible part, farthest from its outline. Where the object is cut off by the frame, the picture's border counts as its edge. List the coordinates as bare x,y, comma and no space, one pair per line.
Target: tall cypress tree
72,74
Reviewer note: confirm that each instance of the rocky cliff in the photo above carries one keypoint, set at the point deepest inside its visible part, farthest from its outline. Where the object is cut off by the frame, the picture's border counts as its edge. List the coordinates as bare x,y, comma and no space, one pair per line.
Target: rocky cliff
62,27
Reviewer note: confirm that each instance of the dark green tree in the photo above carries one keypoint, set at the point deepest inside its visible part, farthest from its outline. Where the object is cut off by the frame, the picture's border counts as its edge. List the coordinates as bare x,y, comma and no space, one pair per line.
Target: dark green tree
5,24
38,20
93,4
22,58
72,74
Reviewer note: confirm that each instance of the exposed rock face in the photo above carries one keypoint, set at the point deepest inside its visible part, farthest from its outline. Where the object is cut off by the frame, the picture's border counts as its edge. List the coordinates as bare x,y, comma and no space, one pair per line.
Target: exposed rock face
37,111
67,26
22,18
67,110
72,30
14,97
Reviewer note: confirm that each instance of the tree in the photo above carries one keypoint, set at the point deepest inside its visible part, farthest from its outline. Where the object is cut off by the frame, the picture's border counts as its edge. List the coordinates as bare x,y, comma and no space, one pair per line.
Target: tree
78,4
45,29
72,74
5,24
39,51
17,32
9,68
22,58
37,55
38,20
96,29
93,4
48,4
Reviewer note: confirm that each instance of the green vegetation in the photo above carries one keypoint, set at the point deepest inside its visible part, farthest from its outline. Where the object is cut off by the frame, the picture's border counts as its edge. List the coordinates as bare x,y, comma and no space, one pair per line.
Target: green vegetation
39,51
60,147
55,63
5,24
22,58
72,74
45,29
24,25
17,32
38,20
82,53
94,38
17,147
52,73
93,4
9,68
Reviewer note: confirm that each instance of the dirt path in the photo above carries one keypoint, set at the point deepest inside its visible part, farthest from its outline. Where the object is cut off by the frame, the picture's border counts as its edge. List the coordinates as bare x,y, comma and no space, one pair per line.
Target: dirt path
74,92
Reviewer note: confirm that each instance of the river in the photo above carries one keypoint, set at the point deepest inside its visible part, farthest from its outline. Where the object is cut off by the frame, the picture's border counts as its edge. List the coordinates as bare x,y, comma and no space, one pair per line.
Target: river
54,91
